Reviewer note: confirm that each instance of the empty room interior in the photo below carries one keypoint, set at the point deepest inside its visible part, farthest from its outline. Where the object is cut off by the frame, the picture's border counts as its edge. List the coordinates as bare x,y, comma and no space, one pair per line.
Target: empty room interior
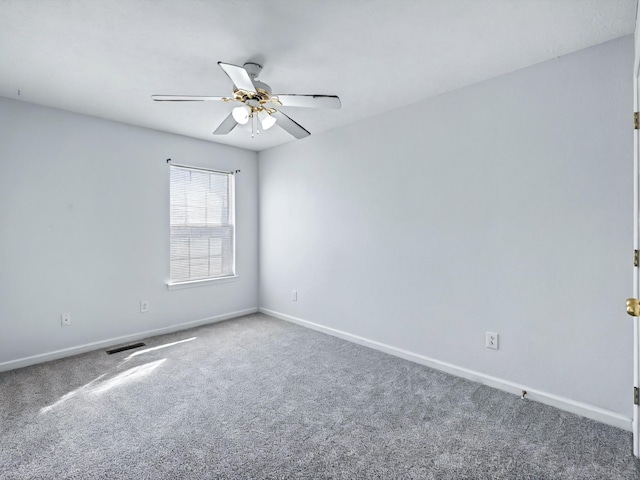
319,239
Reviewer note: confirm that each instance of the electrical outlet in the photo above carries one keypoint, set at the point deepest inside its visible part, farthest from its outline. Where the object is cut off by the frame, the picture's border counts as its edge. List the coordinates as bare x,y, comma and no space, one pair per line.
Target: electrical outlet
491,340
294,295
144,306
65,319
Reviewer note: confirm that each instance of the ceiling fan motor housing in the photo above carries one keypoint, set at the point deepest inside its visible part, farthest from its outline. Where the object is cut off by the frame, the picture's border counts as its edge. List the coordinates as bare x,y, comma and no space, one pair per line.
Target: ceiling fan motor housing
254,69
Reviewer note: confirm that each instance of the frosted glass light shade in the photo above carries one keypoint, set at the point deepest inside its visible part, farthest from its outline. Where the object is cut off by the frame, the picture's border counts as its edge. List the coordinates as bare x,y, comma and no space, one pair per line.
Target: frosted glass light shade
266,120
241,114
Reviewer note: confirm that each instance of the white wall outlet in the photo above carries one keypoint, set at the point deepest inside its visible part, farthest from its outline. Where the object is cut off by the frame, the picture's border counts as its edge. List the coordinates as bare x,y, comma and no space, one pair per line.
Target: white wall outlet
491,340
65,319
294,295
144,306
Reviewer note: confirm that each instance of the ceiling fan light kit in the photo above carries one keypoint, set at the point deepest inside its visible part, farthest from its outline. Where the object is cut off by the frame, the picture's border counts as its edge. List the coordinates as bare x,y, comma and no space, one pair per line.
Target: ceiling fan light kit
259,105
241,114
266,120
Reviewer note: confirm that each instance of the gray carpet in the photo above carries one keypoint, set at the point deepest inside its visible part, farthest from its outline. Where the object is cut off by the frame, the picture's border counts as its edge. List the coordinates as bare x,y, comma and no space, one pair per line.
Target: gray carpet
260,398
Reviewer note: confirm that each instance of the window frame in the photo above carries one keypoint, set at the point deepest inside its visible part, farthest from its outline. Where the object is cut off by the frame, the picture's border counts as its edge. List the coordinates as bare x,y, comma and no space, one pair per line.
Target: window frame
231,222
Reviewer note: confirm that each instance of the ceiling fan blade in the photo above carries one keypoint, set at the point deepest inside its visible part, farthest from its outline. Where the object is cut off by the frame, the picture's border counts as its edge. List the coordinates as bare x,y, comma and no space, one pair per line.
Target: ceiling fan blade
226,126
311,101
183,98
238,76
291,126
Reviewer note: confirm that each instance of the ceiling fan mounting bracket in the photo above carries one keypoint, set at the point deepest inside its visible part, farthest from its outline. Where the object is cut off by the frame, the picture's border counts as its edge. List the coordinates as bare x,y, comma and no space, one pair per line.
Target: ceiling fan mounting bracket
253,69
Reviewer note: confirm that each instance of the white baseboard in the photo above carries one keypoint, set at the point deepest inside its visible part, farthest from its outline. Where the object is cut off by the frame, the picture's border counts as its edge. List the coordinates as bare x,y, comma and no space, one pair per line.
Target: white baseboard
579,408
67,352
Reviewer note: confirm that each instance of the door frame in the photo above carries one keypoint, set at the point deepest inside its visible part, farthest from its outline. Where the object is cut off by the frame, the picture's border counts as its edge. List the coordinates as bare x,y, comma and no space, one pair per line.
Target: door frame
636,236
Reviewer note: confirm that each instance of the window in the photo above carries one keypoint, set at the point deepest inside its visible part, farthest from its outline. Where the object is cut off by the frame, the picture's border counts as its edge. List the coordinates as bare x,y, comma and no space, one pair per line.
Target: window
202,224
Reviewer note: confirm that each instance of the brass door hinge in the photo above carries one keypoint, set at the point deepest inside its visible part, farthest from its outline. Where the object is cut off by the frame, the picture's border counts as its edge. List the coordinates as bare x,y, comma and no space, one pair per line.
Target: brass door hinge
636,121
636,396
636,259
633,307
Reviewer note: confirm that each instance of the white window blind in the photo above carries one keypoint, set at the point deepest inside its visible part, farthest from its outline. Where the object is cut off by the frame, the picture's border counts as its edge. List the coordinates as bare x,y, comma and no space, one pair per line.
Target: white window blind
201,221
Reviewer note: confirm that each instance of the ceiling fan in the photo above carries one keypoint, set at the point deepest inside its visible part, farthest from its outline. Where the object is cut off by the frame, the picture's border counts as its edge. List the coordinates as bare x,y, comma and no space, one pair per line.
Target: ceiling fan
259,105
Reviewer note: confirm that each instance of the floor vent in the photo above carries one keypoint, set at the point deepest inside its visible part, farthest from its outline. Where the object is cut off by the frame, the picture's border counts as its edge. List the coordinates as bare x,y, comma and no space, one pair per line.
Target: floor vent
126,347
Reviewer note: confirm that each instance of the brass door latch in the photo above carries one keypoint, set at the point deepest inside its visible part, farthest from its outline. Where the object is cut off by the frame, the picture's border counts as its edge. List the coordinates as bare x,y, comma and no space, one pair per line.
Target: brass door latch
633,307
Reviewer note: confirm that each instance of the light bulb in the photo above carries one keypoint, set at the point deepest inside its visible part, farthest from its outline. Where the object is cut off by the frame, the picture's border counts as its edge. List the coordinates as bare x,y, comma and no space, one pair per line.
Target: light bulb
266,120
241,114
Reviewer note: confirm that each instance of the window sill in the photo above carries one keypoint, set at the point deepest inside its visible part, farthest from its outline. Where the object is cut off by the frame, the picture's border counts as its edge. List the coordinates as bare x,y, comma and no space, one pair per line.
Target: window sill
201,283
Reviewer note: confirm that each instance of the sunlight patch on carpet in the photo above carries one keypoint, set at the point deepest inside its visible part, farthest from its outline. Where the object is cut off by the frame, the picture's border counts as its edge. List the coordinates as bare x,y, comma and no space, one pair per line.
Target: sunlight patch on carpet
128,376
151,349
70,395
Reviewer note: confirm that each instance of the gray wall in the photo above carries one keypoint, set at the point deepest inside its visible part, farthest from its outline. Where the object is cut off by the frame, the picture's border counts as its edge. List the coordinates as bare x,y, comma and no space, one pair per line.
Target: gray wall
505,206
84,221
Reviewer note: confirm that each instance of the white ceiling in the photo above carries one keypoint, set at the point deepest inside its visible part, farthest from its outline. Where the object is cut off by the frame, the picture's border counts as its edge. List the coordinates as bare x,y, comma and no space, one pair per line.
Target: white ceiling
105,58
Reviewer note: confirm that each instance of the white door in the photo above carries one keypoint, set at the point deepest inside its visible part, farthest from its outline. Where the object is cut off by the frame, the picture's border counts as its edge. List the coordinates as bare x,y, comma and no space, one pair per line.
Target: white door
636,242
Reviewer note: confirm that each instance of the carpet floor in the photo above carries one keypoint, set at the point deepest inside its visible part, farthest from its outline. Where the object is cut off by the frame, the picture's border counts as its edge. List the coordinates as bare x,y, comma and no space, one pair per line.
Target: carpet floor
259,398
